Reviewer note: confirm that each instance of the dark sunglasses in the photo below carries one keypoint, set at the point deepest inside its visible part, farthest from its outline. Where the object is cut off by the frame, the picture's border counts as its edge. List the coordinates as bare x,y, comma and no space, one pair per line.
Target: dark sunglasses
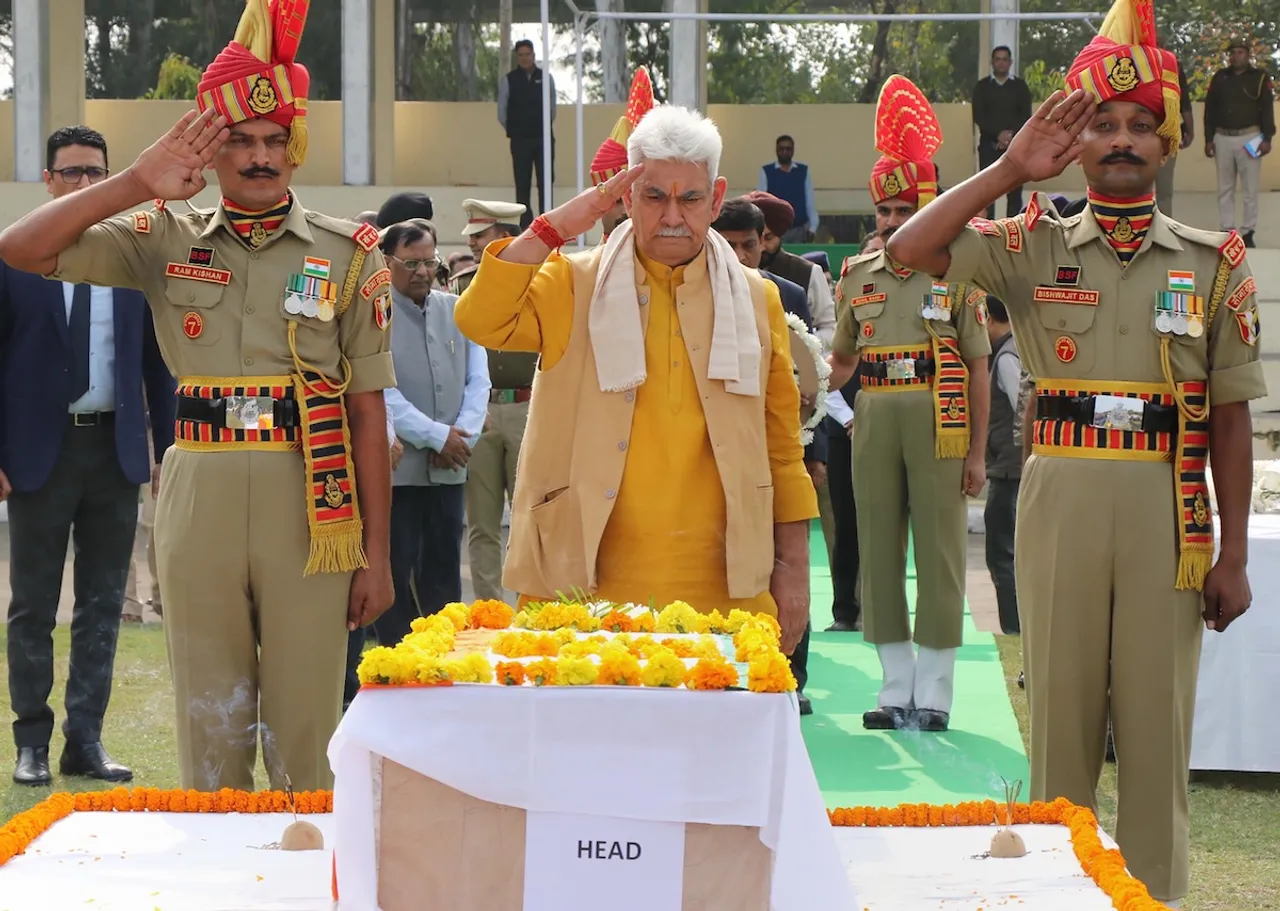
76,174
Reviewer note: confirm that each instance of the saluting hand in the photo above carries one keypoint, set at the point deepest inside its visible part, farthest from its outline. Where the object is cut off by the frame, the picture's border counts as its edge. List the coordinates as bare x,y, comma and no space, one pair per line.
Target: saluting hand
580,214
173,166
1048,142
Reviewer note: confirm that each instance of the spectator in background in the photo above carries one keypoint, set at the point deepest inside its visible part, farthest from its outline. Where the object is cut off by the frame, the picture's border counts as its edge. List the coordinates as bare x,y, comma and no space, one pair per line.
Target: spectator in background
1238,110
1001,105
1164,177
790,180
1004,460
75,364
778,216
368,217
403,207
520,113
439,404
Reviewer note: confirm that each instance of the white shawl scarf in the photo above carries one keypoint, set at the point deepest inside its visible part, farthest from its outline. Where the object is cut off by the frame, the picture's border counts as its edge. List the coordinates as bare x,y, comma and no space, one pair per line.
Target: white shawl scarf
614,327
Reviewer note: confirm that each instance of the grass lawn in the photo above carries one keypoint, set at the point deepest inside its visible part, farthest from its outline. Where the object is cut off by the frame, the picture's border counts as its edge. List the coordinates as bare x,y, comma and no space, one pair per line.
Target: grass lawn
1235,849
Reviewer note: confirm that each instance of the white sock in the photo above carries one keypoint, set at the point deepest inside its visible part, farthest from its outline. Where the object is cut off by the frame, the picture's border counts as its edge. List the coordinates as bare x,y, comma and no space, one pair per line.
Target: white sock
898,664
935,679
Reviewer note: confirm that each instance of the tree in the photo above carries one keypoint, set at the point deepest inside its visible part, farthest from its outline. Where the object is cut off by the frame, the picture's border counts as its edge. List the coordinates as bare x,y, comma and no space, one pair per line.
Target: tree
178,79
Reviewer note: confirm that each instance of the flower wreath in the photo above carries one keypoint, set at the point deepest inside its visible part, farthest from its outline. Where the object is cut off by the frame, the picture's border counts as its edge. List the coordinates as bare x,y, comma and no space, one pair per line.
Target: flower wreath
814,344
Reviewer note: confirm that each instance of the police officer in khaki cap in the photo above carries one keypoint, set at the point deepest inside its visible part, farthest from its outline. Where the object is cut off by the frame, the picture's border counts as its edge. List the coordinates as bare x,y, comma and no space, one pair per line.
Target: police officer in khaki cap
491,473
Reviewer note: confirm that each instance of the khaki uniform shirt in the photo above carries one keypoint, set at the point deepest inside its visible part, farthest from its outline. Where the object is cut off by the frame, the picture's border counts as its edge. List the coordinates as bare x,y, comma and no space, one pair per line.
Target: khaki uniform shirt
877,308
219,306
507,369
1079,315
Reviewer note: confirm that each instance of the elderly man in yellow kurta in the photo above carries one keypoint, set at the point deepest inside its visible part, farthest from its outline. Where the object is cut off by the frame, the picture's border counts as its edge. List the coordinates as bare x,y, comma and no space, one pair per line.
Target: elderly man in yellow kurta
662,458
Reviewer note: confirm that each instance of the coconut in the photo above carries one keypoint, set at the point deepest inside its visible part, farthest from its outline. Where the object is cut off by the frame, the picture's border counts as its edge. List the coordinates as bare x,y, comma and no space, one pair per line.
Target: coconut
302,836
1007,843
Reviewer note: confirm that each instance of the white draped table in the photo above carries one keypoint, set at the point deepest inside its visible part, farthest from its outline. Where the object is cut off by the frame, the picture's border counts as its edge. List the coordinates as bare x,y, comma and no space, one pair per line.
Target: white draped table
1240,671
723,758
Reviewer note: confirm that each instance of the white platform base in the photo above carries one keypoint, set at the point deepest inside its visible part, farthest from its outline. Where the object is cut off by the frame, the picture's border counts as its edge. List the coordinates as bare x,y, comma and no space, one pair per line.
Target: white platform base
213,862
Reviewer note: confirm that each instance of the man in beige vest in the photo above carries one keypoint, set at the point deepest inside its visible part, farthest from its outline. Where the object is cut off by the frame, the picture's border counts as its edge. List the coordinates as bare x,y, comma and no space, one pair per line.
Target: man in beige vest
662,458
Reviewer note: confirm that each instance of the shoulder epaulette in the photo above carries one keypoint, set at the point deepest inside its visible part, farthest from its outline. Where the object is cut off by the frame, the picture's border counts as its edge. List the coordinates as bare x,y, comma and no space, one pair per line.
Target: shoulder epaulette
1233,250
851,261
142,222
1032,216
365,235
1225,242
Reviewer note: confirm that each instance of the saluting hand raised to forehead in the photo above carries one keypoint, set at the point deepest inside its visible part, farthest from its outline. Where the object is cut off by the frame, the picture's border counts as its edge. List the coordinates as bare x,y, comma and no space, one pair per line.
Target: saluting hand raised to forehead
173,166
580,214
1049,141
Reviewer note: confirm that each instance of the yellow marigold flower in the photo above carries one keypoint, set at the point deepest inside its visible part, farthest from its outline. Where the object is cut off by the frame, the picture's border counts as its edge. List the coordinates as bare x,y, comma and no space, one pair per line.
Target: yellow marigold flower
752,643
679,617
681,648
716,623
580,649
618,668
376,666
431,670
473,668
709,674
646,647
491,615
520,620
576,671
770,673
663,669
457,613
564,636
736,620
542,672
707,647
644,623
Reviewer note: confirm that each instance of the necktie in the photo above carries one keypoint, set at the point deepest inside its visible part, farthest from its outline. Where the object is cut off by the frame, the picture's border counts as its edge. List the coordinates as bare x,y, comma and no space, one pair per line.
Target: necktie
79,331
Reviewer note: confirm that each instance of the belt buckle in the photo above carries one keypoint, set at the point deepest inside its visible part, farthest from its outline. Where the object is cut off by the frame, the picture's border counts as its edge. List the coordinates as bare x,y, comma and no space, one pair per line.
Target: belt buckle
900,369
1115,412
250,412
504,396
84,419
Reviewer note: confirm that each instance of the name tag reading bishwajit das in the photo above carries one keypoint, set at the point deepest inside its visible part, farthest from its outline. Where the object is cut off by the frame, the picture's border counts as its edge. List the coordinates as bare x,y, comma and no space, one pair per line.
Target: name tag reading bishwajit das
198,273
1046,295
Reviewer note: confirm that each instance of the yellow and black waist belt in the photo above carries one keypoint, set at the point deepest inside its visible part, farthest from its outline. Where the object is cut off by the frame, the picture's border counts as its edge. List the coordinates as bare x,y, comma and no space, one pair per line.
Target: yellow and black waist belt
938,366
1142,422
282,413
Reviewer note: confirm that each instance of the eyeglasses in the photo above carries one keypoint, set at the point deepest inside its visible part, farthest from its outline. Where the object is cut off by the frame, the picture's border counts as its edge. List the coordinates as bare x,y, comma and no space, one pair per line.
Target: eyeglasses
76,174
413,265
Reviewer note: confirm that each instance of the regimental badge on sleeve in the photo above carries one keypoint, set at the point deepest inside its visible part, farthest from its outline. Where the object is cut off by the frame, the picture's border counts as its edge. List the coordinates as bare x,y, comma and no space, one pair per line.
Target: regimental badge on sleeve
1241,294
1250,328
985,226
1013,235
382,310
375,283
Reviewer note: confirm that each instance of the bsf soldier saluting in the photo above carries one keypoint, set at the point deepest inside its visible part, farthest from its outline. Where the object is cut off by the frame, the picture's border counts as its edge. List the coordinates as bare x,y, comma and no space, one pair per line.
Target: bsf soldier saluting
1142,334
491,473
277,490
921,427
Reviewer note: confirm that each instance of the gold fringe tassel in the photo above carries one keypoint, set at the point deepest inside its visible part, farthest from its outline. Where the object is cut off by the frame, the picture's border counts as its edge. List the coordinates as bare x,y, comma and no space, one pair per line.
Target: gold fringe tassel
337,548
299,135
952,446
1192,569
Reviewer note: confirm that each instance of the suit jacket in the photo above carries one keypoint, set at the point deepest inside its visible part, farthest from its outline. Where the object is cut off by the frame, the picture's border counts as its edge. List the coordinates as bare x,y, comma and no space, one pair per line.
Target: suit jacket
795,299
35,351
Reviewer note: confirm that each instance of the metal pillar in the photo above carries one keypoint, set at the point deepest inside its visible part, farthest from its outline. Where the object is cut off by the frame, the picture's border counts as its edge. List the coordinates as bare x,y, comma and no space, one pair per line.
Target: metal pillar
688,60
357,93
1005,31
30,87
548,170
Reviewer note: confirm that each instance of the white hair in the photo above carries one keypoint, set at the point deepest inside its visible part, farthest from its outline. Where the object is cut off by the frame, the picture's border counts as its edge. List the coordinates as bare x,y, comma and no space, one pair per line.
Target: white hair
676,134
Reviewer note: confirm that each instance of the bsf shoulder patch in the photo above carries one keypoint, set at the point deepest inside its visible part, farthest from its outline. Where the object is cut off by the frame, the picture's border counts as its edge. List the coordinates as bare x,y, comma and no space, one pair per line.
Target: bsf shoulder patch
977,294
1241,294
142,222
382,311
1233,250
367,237
375,283
1249,326
1013,234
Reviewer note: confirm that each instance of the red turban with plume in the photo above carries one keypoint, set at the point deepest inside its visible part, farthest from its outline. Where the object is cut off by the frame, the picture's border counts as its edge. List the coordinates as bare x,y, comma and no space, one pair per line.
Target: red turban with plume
907,136
1123,63
611,157
257,75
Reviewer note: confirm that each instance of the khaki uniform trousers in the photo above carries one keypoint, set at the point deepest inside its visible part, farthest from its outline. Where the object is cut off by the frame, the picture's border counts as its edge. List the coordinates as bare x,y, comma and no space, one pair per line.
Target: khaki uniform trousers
897,477
491,482
255,647
1096,560
1233,161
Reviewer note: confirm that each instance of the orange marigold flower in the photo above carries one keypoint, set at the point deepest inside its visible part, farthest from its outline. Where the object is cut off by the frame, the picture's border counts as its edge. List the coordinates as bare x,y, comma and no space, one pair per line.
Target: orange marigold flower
491,615
542,672
617,622
509,673
711,674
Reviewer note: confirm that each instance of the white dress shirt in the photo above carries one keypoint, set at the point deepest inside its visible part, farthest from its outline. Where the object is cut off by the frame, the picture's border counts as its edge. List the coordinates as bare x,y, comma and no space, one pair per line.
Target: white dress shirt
101,395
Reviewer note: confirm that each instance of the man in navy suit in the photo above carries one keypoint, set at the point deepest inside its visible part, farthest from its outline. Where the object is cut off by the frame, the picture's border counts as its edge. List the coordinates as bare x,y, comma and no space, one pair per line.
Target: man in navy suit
74,363
741,223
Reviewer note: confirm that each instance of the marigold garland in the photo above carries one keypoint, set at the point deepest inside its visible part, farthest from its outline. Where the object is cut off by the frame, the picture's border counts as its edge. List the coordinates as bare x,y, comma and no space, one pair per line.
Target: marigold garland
1106,867
18,833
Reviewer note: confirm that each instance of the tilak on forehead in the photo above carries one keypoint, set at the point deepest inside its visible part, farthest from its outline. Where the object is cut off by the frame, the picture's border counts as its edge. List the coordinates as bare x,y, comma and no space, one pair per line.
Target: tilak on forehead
257,75
1124,63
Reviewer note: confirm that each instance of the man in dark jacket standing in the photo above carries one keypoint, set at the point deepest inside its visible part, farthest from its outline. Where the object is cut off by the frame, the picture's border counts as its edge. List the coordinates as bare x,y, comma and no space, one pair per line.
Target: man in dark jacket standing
1001,105
520,113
